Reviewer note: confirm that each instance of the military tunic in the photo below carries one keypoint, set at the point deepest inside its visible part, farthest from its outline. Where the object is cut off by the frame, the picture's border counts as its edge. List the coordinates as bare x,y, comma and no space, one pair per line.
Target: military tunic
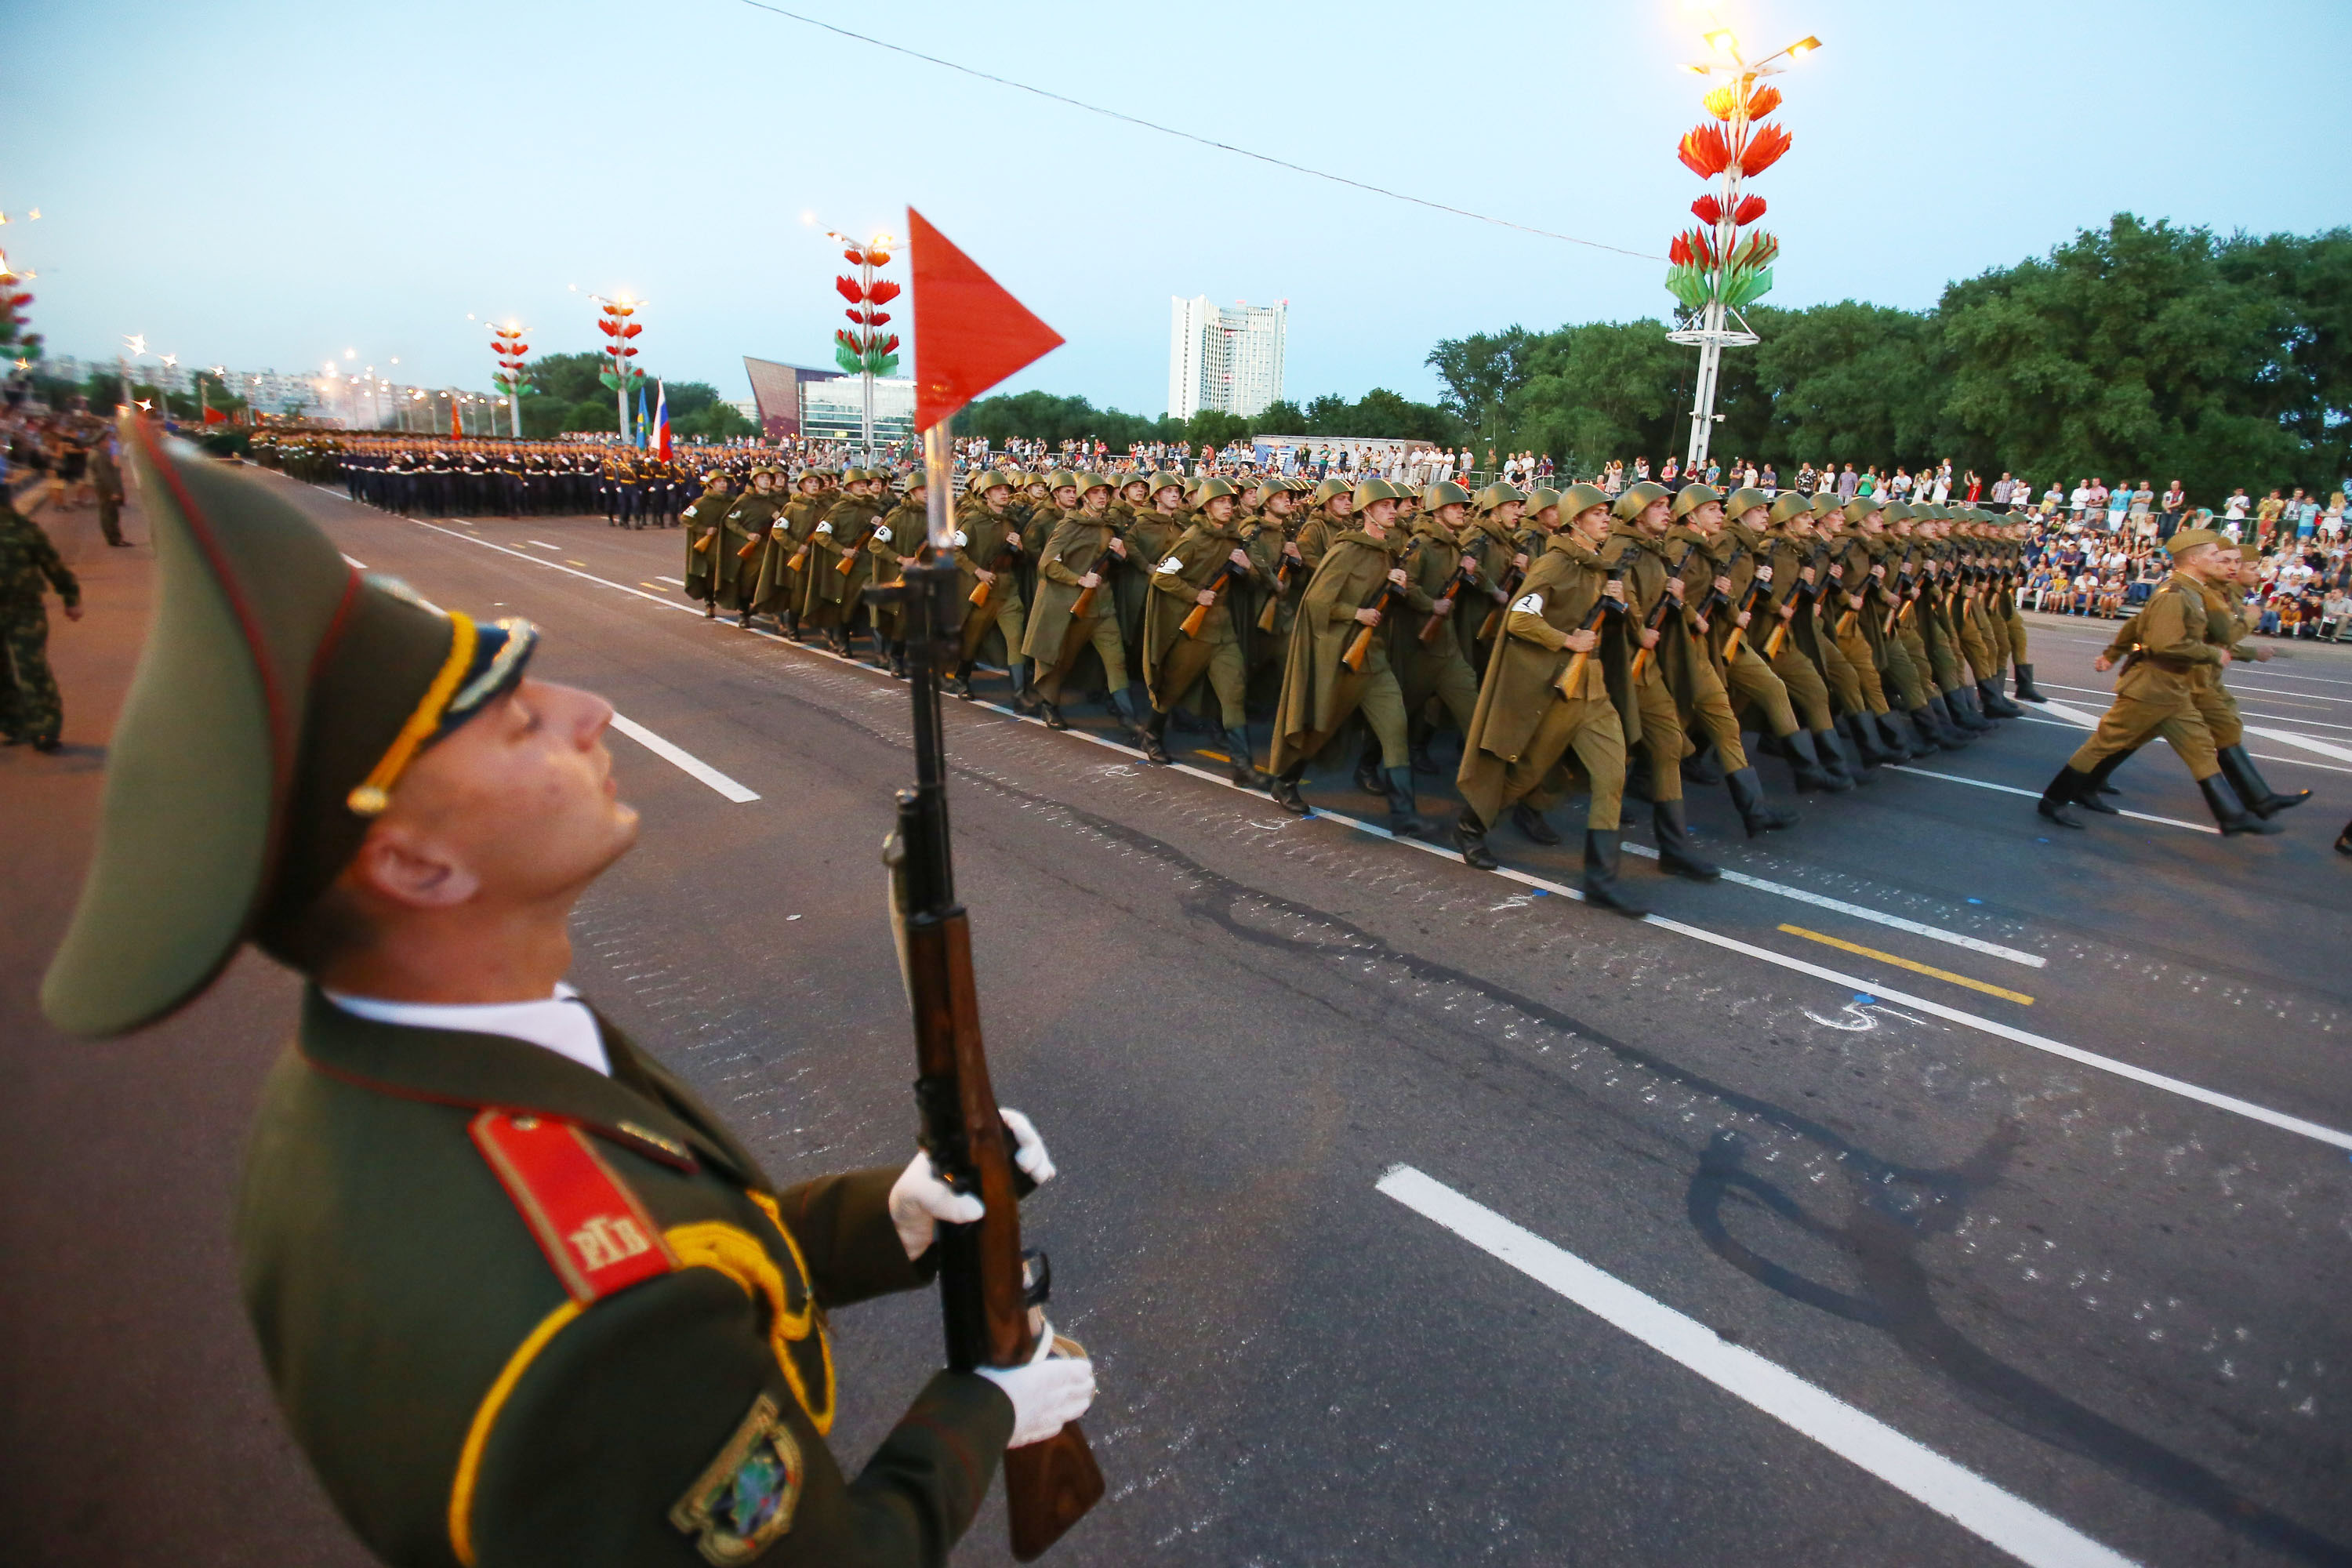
30,708
628,1365
2157,686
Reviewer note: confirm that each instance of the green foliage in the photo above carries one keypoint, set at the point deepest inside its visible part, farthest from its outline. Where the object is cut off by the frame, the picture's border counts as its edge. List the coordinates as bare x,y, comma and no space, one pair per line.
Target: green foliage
2139,350
596,413
1280,417
712,421
1041,416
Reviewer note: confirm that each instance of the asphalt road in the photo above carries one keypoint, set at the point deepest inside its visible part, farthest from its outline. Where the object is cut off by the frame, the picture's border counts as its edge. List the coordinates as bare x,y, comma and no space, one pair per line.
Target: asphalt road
1414,1215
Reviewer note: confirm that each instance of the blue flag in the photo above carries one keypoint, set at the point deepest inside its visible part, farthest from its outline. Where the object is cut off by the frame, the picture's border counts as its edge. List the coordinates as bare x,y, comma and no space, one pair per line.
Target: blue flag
639,438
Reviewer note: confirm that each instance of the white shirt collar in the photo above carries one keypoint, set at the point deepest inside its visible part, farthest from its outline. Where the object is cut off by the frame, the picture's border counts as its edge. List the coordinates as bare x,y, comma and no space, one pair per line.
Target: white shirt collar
561,1024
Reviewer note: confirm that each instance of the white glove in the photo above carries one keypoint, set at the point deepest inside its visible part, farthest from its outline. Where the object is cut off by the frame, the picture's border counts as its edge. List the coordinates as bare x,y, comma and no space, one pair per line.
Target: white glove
920,1200
1049,1392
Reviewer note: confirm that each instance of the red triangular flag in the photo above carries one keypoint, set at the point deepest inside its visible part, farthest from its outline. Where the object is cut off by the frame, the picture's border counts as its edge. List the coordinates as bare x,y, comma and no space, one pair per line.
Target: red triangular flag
969,333
215,415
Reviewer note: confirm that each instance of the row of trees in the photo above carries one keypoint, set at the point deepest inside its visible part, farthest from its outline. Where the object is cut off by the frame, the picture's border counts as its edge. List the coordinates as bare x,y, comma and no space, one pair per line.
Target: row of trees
566,396
2140,351
1041,416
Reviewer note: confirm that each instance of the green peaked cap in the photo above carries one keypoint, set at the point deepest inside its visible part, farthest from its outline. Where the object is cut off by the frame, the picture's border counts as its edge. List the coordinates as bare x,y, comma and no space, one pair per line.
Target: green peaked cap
277,688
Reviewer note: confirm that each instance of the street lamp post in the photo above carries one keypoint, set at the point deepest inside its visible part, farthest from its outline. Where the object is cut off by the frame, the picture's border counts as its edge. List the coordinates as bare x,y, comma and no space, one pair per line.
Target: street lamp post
867,353
1712,272
614,323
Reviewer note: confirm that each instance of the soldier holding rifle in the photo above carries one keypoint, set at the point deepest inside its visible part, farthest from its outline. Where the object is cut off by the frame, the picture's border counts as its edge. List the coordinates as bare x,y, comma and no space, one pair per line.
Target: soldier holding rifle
524,1299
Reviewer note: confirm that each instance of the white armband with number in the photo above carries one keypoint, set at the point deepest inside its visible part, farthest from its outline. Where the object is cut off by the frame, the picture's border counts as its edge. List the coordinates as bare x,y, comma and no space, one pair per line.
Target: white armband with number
1171,566
825,527
1532,604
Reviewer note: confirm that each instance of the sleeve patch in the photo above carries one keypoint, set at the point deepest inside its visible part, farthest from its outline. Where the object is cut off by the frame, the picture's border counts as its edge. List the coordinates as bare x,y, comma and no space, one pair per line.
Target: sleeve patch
825,527
1530,605
744,1499
1171,566
596,1233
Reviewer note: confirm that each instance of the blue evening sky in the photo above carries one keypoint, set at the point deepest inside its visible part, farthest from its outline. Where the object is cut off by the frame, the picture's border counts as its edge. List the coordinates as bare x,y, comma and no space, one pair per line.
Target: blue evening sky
267,185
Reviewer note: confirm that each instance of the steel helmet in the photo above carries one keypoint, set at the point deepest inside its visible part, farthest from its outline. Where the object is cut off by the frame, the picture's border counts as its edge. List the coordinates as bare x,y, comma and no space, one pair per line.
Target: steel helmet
1371,490
1498,494
1093,481
1577,500
1541,498
1744,501
1637,499
1059,478
1690,498
1826,506
1334,486
1791,505
1208,490
1444,492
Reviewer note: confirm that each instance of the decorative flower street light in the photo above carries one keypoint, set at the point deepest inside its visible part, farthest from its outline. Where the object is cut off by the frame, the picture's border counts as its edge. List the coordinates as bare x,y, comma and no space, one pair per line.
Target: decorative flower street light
618,373
867,353
26,347
507,343
1711,270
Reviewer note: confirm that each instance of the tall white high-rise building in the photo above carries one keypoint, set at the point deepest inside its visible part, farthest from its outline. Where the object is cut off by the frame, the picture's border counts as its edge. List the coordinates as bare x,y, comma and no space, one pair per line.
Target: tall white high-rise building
1225,357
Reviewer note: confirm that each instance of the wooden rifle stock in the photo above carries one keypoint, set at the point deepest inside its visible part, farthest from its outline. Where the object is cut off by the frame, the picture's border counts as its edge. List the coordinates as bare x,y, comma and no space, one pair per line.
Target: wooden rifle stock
856,552
1012,546
703,543
1200,615
1570,678
990,1300
1745,606
1361,647
1464,577
1657,616
1266,617
1085,606
1806,592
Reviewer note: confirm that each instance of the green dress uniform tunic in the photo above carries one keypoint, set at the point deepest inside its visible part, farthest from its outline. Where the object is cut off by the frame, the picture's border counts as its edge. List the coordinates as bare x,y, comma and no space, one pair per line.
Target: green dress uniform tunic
1525,721
2158,686
1319,691
1174,661
1707,709
2224,628
642,1377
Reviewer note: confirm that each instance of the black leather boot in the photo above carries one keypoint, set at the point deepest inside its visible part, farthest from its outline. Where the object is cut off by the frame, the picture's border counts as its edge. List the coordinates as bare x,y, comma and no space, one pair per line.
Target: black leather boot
1756,814
898,656
1602,888
1284,787
1950,734
1122,705
791,625
1927,737
1368,770
2344,840
2025,688
2253,788
1830,746
1676,855
1244,771
1865,747
1404,821
2225,811
1531,823
1052,714
1808,767
2104,771
1704,766
959,682
1954,711
1901,744
1470,837
1155,744
1417,755
1995,705
2066,789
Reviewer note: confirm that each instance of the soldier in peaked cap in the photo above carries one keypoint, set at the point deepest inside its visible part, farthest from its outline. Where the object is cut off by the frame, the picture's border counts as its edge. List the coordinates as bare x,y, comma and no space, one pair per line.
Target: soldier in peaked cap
523,1299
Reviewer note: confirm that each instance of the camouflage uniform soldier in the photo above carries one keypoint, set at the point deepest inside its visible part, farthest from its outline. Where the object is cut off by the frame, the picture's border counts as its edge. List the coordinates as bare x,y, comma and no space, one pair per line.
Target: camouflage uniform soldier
30,709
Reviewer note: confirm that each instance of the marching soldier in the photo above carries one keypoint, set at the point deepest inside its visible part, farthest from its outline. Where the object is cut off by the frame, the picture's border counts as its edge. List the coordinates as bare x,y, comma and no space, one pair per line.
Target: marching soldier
2157,692
1338,658
1076,604
988,555
1190,632
1742,556
742,537
1547,691
703,524
1636,550
522,1298
836,567
783,574
1445,572
896,537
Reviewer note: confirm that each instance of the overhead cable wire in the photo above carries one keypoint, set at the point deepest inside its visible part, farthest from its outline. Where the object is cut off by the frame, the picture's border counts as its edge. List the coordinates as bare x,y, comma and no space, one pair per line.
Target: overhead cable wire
1189,136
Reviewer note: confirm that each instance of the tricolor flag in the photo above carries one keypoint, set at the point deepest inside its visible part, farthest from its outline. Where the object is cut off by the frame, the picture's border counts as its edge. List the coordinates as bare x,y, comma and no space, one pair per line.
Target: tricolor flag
661,422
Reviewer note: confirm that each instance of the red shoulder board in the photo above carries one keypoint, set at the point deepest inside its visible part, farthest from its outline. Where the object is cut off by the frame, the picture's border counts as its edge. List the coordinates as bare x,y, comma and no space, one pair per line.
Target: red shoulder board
596,1234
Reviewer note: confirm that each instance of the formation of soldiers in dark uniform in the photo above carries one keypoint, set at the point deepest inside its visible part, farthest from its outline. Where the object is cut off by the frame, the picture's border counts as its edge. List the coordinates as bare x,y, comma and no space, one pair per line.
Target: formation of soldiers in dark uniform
489,479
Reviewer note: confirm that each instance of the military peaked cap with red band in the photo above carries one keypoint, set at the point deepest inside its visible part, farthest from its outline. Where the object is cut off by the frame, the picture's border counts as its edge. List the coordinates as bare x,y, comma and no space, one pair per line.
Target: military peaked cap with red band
281,693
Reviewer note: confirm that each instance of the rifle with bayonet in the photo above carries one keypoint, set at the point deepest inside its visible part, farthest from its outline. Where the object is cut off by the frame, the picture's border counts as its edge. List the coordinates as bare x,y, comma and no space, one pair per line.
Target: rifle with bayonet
992,1293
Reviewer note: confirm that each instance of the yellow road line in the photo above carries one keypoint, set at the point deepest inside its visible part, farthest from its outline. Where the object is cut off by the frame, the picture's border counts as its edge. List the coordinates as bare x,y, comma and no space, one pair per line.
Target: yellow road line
1912,964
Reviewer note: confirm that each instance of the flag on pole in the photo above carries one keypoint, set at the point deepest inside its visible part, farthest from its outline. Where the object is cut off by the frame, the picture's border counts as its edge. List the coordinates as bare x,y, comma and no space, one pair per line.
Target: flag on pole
639,437
661,422
457,426
969,333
